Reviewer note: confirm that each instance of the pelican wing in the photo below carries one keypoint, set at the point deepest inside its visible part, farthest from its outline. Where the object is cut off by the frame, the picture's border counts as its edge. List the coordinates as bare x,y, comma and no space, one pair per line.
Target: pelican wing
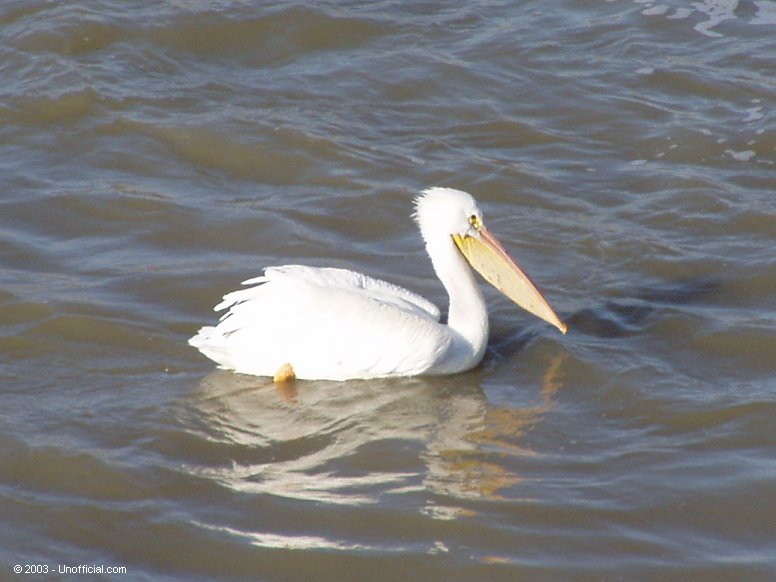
343,279
328,324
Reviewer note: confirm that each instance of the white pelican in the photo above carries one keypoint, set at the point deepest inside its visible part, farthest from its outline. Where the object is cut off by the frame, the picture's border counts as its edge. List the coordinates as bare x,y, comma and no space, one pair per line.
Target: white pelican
336,324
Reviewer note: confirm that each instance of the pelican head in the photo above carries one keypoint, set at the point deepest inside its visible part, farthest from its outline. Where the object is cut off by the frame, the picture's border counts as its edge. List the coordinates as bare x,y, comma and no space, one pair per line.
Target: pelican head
451,218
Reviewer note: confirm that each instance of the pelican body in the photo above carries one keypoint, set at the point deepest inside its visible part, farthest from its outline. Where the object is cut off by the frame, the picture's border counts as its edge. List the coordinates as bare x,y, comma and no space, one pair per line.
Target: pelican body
336,324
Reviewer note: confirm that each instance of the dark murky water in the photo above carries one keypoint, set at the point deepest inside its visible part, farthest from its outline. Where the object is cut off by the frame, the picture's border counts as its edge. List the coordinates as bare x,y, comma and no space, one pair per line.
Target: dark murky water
153,156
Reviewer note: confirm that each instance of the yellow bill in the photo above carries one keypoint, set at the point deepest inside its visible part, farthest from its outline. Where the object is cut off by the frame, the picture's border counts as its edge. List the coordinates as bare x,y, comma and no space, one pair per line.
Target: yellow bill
492,261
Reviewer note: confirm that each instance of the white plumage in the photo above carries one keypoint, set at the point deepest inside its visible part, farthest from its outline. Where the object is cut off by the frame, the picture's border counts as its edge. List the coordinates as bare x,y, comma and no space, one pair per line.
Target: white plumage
337,324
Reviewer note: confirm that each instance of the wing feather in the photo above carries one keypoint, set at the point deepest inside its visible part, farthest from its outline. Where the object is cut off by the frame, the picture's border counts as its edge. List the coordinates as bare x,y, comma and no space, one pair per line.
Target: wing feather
343,279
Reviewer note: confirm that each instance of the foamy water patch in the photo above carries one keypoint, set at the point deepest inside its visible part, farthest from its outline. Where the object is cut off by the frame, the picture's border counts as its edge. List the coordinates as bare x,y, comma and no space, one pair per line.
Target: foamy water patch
766,13
718,11
742,156
713,13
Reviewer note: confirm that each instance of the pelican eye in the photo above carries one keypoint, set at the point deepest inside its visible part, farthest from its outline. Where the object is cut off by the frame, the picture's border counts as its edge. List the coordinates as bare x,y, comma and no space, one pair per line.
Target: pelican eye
475,221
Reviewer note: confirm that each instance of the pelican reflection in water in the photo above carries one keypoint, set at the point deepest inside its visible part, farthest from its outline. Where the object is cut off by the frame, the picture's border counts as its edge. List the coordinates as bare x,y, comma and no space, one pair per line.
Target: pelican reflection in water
336,324
453,441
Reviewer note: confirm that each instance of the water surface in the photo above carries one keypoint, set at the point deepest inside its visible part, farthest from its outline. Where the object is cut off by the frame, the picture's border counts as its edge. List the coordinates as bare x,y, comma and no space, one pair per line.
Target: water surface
154,156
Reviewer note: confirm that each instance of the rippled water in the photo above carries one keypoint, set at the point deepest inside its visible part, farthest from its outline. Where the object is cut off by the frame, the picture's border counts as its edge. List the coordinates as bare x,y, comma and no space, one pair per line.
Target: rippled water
154,155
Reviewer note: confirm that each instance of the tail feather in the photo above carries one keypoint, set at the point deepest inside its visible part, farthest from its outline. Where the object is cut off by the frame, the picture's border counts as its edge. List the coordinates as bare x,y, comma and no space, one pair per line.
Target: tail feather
210,342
